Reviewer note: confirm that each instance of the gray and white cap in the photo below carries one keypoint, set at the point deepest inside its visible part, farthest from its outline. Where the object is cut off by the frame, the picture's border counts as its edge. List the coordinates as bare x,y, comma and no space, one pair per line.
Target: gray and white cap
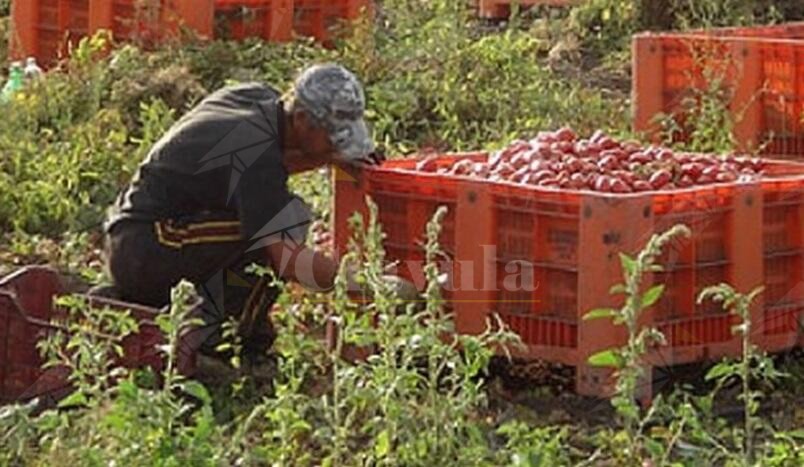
335,99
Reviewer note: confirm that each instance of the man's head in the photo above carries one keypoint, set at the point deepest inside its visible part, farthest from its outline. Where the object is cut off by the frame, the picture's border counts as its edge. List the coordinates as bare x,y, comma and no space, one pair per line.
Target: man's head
327,105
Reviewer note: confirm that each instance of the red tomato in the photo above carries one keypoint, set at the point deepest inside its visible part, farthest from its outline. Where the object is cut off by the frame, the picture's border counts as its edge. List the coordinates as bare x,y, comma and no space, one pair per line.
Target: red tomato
462,167
538,165
726,177
660,178
608,143
578,180
603,183
505,169
711,171
520,172
704,159
562,147
631,147
665,155
692,169
597,136
683,157
565,134
625,176
544,174
620,186
608,163
705,180
573,164
546,137
480,169
641,157
685,182
557,167
495,159
428,164
544,151
521,159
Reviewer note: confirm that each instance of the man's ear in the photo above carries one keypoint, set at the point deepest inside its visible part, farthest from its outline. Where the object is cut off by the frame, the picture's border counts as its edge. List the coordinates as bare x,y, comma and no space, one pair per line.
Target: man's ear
300,121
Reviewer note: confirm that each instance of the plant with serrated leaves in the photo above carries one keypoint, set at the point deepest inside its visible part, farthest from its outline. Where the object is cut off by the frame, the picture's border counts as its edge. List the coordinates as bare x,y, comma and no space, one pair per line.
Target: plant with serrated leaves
530,446
705,120
753,366
398,382
86,343
628,360
172,422
116,416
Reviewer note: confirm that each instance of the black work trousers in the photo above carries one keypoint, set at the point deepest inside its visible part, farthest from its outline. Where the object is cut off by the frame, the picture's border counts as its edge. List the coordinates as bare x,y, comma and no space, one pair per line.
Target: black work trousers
147,259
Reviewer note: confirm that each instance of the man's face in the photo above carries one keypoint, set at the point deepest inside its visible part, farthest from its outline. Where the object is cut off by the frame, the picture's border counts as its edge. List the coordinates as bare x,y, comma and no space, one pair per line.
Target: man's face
317,145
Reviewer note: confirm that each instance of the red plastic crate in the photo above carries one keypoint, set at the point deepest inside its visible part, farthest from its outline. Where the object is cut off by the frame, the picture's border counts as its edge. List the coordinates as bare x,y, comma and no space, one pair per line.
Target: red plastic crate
501,9
151,21
746,234
26,311
763,68
317,18
269,19
45,28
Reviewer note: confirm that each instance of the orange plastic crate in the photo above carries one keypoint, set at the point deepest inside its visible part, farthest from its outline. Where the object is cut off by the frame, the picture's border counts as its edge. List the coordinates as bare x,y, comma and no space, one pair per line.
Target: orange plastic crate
26,310
45,28
318,18
746,234
150,21
763,68
268,19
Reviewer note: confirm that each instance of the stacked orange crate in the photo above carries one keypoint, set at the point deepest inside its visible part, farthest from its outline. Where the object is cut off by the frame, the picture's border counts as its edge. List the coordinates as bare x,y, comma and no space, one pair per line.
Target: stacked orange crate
271,20
318,18
150,21
45,28
743,234
762,70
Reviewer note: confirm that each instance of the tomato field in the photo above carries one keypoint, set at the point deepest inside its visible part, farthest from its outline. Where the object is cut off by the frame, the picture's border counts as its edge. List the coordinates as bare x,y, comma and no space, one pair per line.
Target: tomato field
544,99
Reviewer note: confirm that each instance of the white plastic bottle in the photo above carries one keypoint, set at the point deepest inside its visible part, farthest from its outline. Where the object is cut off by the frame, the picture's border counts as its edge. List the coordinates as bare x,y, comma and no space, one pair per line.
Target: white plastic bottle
32,69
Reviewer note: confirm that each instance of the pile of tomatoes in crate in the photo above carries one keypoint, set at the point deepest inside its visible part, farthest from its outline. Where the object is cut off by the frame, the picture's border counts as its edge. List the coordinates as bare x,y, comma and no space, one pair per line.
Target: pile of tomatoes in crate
561,159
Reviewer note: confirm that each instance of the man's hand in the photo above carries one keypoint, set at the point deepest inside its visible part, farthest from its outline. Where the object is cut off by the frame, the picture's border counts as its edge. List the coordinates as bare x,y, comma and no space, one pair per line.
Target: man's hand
312,269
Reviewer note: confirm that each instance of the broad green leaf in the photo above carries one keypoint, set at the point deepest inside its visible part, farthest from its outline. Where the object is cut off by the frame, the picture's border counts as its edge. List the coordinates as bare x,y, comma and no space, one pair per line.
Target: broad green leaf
617,289
128,388
382,444
629,264
116,421
655,448
606,358
720,370
75,399
798,434
599,313
197,390
652,296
